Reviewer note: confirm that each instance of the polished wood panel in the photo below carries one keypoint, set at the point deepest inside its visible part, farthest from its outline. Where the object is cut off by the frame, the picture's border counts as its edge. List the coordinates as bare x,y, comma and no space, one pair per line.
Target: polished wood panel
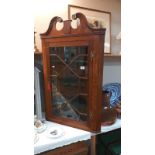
80,148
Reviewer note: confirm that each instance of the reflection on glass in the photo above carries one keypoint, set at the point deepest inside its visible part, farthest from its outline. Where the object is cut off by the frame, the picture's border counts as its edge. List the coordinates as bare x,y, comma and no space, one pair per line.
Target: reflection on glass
69,75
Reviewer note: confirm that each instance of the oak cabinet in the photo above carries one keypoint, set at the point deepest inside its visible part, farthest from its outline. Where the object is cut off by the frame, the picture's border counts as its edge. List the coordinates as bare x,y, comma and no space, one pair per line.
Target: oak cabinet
73,71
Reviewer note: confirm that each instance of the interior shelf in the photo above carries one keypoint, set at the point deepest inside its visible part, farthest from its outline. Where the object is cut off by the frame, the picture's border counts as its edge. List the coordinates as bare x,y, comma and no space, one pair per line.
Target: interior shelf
38,53
111,55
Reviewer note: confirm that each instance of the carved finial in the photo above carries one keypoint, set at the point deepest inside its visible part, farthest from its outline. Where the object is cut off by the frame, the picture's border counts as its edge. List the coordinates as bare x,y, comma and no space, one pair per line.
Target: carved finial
82,19
53,24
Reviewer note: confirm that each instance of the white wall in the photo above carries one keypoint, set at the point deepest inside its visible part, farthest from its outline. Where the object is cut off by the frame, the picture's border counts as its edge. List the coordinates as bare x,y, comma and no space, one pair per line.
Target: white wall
45,10
112,70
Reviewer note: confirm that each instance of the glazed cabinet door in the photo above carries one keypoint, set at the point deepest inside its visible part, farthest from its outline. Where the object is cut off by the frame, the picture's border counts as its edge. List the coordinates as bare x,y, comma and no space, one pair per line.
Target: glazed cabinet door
68,77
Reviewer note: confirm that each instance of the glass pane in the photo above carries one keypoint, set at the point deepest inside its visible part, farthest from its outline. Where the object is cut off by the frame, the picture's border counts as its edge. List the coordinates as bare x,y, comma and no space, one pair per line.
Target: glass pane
79,105
80,65
69,78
